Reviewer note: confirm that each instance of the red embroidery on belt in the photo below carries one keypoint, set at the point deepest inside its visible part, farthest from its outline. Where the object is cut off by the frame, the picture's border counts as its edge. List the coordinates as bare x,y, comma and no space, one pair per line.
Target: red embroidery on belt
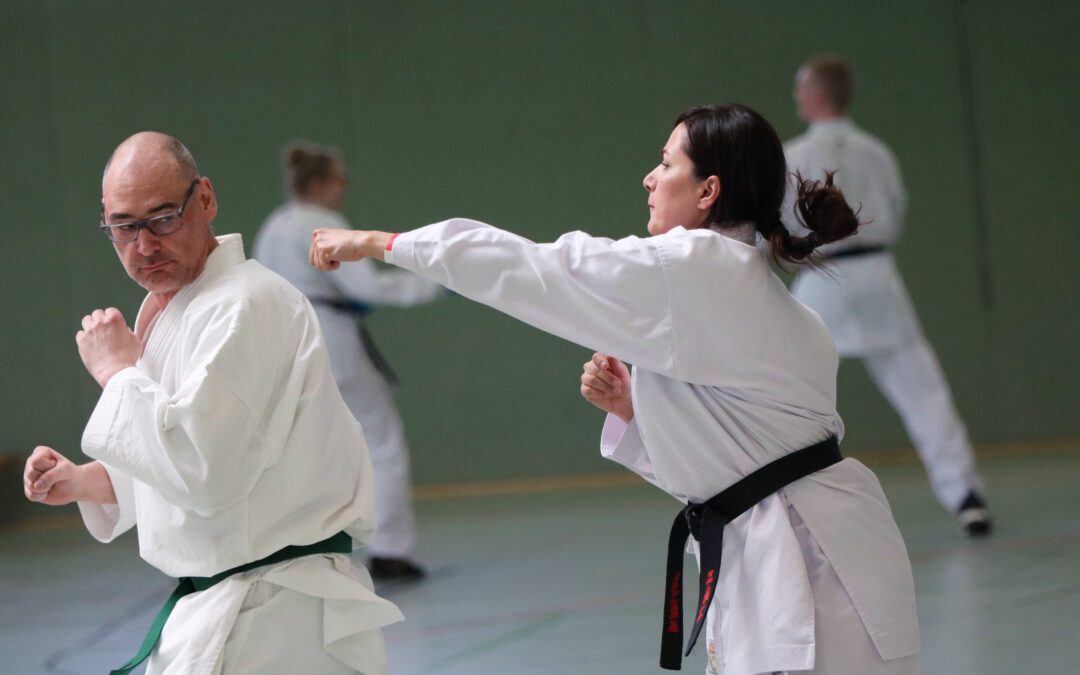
674,610
709,580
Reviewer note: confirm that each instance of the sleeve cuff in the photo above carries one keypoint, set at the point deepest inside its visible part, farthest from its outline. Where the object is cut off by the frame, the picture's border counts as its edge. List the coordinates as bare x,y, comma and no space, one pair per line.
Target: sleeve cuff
613,432
388,254
398,249
99,427
106,522
622,443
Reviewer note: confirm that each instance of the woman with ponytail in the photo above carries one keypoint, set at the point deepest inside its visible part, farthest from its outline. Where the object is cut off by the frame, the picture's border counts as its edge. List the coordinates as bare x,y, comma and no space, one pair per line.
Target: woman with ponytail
731,402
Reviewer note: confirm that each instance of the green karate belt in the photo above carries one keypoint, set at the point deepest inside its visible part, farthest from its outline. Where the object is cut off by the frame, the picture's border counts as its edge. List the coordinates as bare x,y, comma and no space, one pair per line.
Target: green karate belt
339,543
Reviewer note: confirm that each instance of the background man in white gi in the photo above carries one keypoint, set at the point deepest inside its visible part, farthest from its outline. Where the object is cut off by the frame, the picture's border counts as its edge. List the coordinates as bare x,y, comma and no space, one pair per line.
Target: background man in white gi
221,435
861,296
318,182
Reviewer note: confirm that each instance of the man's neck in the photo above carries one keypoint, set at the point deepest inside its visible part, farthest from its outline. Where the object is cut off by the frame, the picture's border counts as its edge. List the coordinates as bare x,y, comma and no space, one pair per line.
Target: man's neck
162,299
827,116
155,303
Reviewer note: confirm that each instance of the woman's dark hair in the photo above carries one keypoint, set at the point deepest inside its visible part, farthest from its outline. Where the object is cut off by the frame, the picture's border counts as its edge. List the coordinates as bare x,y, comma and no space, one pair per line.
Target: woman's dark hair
740,147
306,162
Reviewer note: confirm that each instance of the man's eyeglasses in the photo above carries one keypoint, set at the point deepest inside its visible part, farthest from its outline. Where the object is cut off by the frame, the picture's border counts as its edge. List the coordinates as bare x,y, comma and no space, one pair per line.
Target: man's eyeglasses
159,226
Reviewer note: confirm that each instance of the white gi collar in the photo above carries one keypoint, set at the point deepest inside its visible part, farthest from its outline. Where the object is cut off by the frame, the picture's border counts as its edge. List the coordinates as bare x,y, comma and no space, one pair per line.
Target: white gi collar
745,233
228,253
835,123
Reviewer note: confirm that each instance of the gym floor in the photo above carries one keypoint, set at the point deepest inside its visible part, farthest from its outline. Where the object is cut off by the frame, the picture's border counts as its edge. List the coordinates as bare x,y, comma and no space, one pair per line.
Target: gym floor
565,577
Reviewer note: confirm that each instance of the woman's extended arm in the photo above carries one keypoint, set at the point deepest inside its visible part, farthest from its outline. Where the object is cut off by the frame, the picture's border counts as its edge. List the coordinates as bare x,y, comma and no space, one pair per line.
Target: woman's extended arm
609,296
330,248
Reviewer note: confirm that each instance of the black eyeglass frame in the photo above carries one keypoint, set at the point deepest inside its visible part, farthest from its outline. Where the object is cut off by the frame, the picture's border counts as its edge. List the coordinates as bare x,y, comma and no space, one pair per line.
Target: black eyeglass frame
149,223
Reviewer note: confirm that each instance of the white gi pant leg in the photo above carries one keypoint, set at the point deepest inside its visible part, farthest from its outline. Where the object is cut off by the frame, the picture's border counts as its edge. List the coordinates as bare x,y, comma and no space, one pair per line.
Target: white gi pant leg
371,402
395,521
843,646
911,379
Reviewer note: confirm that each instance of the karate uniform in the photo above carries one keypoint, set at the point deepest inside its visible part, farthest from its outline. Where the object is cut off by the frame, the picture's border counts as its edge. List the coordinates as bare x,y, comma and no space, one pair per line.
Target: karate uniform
730,373
282,245
863,301
226,442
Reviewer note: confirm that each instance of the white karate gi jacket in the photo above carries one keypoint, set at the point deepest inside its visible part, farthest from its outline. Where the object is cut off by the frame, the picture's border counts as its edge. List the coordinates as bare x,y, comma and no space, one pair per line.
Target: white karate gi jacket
730,373
228,441
862,299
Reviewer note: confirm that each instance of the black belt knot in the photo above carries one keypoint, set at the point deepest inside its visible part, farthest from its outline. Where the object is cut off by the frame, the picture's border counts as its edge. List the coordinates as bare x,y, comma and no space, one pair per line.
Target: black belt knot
706,521
693,514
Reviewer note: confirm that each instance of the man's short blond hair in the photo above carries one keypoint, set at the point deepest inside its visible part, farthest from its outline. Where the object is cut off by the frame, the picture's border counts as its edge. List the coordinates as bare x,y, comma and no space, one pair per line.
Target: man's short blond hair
833,75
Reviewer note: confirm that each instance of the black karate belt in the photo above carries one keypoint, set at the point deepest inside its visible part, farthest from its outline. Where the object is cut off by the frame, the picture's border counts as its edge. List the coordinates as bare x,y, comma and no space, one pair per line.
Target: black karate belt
339,543
360,311
856,251
706,523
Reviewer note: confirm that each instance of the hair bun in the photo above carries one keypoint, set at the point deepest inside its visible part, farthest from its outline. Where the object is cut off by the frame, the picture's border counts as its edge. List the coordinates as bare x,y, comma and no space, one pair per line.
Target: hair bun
296,155
307,162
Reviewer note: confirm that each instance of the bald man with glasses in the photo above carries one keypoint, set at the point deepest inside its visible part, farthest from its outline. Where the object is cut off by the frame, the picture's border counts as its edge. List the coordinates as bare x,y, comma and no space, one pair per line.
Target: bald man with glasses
221,436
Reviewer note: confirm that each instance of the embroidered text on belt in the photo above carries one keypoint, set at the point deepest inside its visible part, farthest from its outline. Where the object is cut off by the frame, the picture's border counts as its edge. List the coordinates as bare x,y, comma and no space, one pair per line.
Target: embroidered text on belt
339,543
706,522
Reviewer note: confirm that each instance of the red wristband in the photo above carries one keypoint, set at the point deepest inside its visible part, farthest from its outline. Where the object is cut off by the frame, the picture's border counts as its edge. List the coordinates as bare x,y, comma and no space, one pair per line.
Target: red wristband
390,244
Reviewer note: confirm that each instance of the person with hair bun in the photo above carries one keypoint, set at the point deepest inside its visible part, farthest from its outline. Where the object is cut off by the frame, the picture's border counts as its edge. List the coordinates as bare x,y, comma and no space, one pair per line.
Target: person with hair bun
731,402
861,296
317,183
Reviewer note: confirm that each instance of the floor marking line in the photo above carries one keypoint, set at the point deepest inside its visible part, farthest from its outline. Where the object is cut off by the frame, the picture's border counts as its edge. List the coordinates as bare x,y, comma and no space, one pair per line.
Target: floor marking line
508,486
513,486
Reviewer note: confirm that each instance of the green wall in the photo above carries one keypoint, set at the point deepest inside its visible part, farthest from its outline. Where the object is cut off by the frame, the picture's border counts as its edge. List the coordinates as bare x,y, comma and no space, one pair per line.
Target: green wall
540,118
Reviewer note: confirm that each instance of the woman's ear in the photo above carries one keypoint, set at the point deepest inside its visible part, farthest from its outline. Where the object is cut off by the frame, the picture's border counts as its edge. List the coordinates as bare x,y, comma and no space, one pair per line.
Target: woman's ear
710,192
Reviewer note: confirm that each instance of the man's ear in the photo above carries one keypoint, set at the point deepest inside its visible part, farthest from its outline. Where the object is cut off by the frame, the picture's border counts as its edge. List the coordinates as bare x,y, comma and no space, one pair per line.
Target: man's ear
207,200
710,192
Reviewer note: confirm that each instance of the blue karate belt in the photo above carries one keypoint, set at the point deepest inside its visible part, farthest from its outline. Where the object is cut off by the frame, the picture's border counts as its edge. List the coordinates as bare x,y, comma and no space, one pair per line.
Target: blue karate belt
339,543
706,523
361,311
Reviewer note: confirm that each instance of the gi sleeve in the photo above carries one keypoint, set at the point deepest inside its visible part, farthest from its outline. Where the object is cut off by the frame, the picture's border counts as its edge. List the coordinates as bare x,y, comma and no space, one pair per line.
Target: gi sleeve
205,446
106,522
606,295
622,443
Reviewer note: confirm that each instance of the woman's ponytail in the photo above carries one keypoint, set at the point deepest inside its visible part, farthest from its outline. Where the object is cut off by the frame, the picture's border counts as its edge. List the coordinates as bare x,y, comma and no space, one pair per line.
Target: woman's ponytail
823,210
739,146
